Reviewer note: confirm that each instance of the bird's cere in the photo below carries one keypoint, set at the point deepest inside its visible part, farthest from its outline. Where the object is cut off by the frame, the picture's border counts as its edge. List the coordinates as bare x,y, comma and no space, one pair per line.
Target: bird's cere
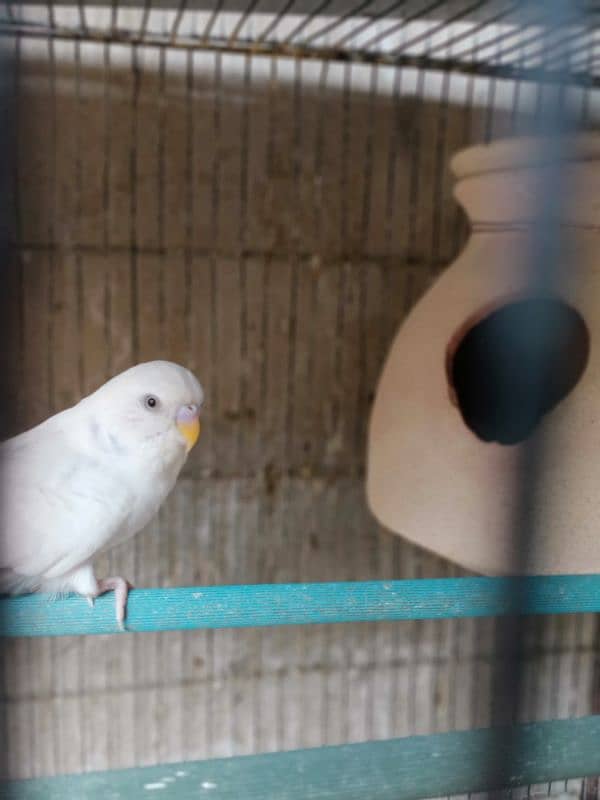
188,422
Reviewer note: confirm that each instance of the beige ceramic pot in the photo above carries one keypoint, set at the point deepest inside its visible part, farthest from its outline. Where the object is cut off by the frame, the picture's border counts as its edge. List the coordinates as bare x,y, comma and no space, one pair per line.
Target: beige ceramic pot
441,467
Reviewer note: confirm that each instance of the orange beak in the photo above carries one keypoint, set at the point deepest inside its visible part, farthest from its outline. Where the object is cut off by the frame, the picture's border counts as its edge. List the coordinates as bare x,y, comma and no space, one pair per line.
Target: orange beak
188,423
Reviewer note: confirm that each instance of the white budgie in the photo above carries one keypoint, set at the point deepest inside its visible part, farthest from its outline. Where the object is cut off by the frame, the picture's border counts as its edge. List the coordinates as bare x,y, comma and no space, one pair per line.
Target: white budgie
93,476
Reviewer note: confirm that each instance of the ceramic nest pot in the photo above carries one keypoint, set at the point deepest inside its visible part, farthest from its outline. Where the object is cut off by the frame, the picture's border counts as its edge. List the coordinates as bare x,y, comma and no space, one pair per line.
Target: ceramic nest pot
446,434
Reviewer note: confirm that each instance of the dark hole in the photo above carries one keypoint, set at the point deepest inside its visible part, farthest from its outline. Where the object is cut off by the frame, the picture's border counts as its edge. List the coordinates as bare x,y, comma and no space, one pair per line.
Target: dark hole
506,372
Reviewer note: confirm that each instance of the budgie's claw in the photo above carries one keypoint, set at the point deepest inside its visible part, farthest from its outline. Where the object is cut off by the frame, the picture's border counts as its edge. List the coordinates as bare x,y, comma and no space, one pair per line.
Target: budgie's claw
121,589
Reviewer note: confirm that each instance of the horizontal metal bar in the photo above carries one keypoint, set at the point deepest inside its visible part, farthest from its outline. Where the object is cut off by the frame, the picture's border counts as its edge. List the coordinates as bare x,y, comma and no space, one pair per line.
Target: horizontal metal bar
292,50
396,769
330,260
261,605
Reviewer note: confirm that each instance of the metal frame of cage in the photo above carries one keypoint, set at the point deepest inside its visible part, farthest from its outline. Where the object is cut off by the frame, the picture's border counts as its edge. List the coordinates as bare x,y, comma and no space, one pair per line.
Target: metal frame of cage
559,46
369,31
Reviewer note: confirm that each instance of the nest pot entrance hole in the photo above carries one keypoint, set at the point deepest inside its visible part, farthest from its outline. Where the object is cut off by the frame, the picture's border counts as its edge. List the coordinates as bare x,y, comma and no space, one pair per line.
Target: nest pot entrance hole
505,372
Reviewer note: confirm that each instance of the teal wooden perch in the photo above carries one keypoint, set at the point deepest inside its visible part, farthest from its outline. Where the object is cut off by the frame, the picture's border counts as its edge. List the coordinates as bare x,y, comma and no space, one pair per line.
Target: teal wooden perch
191,608
397,769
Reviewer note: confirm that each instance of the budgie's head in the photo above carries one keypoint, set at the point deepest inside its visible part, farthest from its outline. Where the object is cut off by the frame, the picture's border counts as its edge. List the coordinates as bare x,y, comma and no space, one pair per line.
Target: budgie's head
155,405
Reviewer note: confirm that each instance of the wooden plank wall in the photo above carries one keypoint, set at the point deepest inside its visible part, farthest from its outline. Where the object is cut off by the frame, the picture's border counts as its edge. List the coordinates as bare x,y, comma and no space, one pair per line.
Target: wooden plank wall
268,223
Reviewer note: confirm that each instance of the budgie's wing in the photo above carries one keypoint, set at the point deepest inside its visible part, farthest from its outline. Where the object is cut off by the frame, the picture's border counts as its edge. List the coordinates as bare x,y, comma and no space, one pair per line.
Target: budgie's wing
59,504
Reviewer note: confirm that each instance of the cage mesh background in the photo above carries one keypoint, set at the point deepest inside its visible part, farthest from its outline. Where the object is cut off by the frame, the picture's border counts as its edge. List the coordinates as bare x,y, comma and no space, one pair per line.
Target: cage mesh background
261,193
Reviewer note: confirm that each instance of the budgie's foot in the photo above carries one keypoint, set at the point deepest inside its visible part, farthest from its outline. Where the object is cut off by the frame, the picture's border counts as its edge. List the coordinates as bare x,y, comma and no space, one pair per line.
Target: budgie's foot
121,589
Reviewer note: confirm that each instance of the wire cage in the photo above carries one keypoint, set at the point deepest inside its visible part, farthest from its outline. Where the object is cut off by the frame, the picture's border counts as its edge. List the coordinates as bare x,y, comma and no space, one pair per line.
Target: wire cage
260,190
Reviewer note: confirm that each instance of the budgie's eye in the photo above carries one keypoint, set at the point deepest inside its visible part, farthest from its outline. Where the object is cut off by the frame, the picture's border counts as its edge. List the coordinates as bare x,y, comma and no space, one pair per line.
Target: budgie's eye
150,401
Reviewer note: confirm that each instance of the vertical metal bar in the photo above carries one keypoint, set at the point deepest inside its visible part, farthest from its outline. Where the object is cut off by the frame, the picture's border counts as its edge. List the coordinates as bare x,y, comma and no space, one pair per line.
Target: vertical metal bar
440,160
133,212
323,96
391,166
289,491
106,159
544,255
296,247
321,100
413,183
365,221
390,218
264,507
242,237
134,300
160,194
8,140
81,387
109,678
188,256
79,222
161,643
344,253
360,399
591,789
262,515
345,248
50,334
190,195
52,227
241,248
214,349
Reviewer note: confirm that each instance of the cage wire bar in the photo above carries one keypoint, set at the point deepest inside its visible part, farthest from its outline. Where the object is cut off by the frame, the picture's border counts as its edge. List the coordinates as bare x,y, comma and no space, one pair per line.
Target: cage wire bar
542,280
8,333
513,39
556,44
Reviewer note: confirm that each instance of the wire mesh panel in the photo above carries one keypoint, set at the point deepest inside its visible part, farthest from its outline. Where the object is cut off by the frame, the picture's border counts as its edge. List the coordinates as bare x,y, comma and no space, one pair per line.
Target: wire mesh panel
260,191
500,37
